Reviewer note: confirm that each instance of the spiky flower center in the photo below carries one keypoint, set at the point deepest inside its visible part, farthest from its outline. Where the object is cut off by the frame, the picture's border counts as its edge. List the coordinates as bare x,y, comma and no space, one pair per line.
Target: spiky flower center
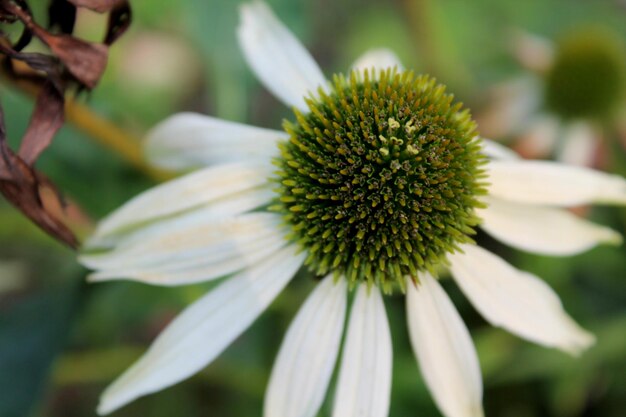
588,78
381,177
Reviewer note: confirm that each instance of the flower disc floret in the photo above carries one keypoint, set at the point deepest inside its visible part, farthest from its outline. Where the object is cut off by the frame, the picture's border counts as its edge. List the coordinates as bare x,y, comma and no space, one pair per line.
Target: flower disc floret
381,177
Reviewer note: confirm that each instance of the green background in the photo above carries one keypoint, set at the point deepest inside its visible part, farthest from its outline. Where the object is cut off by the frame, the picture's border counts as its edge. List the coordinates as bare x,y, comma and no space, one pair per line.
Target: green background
62,340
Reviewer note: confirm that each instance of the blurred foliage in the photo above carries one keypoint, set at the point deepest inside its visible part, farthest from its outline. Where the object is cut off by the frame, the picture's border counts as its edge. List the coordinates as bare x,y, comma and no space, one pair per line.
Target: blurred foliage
62,341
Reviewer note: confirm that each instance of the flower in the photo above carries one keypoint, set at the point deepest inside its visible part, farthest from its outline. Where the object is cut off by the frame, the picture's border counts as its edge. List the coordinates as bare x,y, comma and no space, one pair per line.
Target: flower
379,181
569,101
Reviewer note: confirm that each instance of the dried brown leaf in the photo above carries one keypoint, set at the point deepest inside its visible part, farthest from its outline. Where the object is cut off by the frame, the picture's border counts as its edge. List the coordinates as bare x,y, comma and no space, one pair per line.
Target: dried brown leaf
36,60
100,6
119,21
72,60
84,60
46,120
62,14
23,186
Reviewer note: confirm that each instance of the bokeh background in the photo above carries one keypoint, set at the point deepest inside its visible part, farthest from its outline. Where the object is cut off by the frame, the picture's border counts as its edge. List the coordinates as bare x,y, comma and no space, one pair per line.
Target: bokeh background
63,340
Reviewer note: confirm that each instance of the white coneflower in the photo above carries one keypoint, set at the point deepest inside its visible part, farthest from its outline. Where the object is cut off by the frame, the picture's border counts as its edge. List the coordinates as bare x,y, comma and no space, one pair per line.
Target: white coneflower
572,96
378,181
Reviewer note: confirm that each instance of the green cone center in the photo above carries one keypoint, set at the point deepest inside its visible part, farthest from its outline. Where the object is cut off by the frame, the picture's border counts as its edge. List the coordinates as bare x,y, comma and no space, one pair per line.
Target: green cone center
380,178
588,77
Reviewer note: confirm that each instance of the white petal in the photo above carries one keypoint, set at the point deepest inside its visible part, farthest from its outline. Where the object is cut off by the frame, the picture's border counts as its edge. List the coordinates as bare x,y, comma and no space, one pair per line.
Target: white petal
511,105
307,356
203,330
220,209
175,253
189,141
174,237
276,56
379,59
540,139
534,52
543,230
185,193
516,300
551,183
444,349
496,150
578,145
364,385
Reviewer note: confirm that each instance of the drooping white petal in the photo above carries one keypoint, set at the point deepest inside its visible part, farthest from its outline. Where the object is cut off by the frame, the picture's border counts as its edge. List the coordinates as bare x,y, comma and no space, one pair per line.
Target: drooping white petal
190,253
578,145
496,150
379,59
189,141
185,193
551,183
543,230
203,330
279,60
444,350
516,300
364,385
219,209
171,240
307,356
